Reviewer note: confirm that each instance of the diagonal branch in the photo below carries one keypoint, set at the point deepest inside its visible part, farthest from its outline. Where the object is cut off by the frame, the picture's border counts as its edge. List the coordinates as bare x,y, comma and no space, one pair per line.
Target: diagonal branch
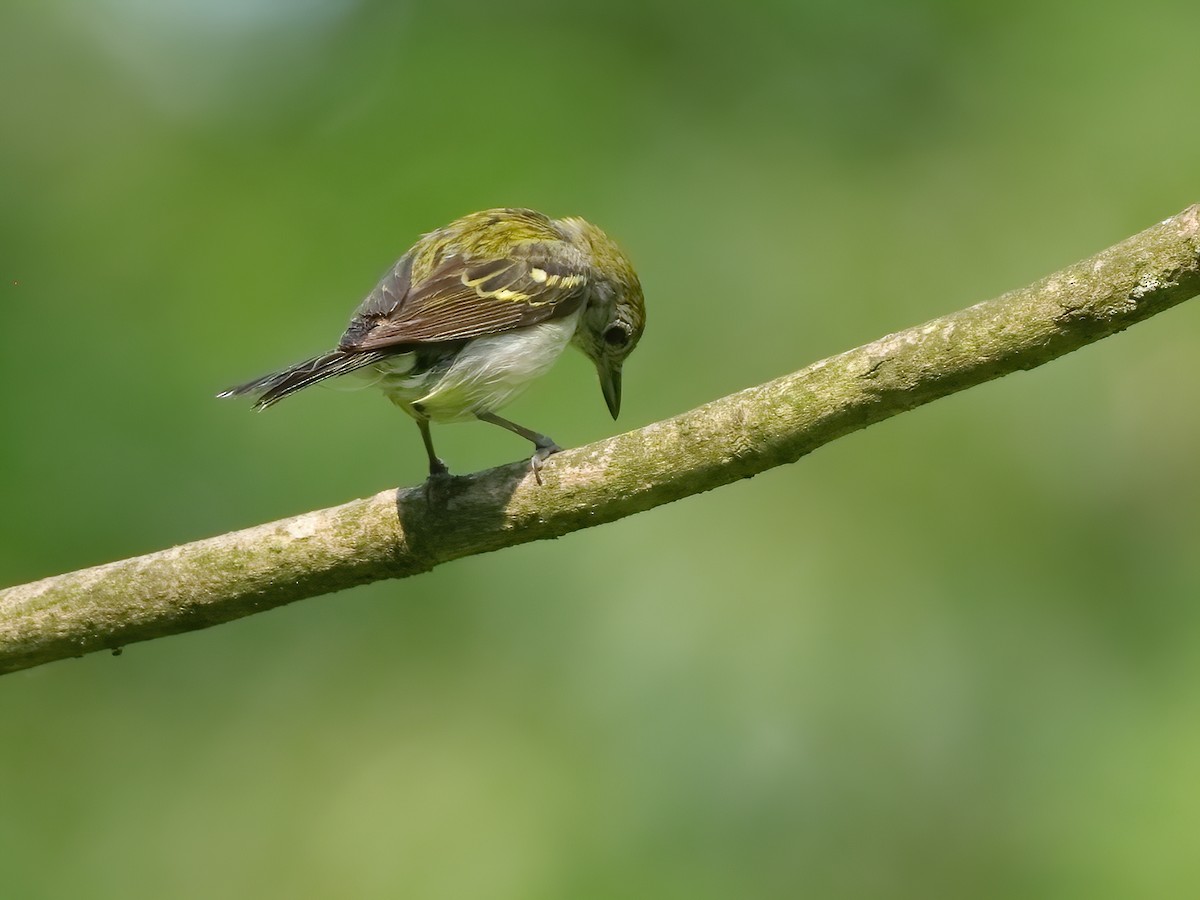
404,532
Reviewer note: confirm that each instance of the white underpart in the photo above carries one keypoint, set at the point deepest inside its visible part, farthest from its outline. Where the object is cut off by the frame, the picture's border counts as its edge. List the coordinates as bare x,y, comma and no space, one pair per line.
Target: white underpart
487,374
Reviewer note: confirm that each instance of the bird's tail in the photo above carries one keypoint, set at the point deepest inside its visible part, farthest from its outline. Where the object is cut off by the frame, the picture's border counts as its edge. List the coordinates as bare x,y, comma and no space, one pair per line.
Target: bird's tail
274,387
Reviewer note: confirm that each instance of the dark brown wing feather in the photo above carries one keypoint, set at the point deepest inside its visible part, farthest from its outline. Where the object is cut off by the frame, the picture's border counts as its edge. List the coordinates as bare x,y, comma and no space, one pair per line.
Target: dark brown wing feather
464,298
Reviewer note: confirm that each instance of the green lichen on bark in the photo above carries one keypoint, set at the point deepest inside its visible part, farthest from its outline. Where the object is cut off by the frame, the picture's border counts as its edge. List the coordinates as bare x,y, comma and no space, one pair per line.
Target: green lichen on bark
405,532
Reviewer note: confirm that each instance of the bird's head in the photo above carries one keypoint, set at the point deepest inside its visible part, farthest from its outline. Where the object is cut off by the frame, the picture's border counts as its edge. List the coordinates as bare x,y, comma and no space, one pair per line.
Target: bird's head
615,314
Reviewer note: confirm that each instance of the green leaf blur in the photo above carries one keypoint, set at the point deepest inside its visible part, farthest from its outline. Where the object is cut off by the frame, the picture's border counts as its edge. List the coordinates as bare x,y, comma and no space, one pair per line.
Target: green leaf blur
955,655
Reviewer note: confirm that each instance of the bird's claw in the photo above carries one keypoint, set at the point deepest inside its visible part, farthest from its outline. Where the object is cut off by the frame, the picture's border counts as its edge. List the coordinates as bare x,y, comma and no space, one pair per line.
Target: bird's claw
437,483
539,458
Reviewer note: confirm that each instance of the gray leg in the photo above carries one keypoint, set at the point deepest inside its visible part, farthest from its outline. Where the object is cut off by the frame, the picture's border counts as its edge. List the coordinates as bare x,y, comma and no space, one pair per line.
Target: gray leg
436,466
545,446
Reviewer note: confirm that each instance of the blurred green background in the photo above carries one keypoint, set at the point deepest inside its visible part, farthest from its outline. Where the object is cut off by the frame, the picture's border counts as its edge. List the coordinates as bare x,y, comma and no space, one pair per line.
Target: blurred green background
956,655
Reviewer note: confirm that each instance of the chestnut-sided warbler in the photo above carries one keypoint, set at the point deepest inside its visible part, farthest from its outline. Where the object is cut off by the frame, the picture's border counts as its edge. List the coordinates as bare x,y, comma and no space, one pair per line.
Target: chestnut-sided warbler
474,312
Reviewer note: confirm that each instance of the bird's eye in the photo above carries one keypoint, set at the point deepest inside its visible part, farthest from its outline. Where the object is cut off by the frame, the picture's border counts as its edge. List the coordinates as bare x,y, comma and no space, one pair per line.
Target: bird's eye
616,336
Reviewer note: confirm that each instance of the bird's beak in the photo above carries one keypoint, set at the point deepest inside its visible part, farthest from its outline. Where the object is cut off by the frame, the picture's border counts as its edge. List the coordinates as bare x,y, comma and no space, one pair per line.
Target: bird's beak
610,384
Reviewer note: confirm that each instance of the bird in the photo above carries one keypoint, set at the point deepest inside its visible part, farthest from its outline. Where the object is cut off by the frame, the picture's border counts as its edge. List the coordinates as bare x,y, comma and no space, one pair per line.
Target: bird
473,313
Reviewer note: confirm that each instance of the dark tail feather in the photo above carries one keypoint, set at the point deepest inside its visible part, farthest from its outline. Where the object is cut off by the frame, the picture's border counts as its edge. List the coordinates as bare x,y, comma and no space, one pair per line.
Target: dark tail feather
274,387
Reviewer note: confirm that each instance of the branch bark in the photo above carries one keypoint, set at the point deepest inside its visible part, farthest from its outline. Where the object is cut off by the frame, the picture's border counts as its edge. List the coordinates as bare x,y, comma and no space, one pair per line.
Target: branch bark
404,532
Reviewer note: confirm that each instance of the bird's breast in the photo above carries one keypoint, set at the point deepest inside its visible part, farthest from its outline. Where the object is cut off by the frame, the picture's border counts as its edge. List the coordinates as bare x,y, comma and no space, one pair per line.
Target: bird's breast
486,373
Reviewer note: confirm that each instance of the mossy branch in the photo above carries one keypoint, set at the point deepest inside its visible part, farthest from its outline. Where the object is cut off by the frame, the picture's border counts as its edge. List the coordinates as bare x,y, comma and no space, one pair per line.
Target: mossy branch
404,532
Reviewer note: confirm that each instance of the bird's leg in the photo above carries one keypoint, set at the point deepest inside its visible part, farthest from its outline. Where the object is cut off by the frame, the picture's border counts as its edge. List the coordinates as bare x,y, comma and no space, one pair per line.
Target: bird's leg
436,466
545,446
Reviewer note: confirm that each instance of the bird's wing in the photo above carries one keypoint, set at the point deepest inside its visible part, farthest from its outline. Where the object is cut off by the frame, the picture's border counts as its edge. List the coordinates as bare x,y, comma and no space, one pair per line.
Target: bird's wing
465,297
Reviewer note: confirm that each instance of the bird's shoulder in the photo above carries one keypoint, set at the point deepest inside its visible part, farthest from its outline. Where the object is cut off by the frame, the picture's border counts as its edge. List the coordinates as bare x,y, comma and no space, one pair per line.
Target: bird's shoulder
486,273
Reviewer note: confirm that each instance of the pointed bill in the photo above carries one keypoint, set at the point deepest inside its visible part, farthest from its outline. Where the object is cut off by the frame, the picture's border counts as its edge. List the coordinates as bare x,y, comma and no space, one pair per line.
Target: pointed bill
610,384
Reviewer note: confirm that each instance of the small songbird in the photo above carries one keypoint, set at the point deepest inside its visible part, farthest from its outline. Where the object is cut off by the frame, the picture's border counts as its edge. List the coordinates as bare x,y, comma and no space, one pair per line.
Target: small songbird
474,312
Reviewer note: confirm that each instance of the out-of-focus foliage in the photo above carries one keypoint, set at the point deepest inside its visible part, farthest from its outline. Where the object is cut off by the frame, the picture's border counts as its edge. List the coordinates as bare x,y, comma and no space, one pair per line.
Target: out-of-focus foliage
955,655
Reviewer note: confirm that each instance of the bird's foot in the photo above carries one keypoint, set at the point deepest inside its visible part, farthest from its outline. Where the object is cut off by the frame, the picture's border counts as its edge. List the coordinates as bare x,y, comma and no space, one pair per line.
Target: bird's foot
543,451
437,485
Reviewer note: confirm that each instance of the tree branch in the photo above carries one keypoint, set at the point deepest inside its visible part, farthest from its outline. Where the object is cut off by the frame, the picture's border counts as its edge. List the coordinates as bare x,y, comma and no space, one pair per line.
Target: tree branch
404,532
